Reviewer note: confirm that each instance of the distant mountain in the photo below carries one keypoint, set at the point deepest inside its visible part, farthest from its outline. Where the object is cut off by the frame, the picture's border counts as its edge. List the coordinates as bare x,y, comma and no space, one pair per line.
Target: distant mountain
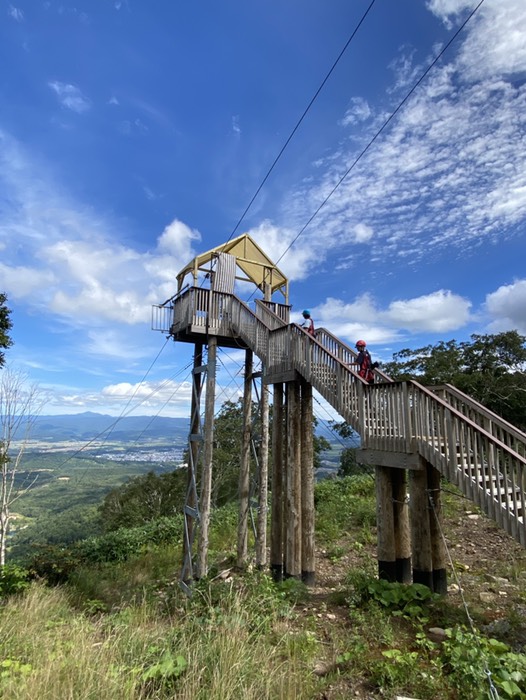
89,425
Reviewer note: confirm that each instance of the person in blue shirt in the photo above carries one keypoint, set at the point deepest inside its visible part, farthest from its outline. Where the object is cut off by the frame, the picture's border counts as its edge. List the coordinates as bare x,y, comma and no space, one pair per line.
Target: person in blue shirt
307,323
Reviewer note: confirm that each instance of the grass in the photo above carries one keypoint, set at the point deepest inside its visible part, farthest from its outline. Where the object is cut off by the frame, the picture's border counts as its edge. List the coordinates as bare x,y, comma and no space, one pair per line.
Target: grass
227,642
125,630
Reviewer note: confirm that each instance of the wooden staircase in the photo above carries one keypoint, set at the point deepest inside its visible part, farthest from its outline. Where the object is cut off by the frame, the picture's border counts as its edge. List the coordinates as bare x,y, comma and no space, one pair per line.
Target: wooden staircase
483,455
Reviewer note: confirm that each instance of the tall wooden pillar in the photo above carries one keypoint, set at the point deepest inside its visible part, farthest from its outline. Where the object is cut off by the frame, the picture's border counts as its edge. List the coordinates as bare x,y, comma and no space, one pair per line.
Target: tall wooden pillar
206,476
402,528
307,487
438,550
420,527
244,472
191,512
293,486
261,541
385,524
276,521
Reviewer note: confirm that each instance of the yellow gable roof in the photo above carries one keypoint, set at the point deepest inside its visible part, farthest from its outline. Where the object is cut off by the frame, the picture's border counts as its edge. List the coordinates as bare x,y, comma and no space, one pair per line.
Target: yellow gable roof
254,263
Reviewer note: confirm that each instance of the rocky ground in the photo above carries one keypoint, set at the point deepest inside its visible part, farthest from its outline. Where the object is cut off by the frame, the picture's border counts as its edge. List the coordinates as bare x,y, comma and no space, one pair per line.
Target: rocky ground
486,580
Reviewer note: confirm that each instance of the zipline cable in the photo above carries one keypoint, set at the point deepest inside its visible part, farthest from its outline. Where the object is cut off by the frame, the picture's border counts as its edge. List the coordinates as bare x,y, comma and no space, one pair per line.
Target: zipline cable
380,131
349,40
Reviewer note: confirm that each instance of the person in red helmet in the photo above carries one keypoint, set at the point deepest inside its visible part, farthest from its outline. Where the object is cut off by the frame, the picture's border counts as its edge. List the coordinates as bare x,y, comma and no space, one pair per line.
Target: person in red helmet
364,362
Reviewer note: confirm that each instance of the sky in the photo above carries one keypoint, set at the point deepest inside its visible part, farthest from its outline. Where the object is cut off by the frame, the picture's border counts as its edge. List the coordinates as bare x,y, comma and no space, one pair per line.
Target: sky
134,134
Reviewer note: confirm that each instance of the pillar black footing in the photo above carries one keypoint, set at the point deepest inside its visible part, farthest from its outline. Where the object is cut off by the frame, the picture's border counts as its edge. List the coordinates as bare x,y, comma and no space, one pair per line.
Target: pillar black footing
424,577
308,578
440,581
387,570
276,571
403,570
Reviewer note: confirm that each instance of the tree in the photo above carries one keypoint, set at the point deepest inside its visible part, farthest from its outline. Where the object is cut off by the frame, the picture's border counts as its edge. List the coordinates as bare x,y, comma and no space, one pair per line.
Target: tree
20,404
143,499
5,327
348,463
490,368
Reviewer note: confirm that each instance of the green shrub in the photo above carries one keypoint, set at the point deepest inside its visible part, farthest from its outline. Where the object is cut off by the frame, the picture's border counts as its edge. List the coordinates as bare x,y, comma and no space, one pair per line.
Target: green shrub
474,663
13,579
342,504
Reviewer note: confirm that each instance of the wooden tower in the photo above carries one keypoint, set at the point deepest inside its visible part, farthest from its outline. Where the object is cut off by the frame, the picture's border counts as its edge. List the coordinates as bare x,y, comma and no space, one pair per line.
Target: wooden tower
202,314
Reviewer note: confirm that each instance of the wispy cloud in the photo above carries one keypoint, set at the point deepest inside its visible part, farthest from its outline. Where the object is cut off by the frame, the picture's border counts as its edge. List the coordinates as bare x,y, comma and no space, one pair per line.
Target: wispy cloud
450,169
15,13
235,124
70,96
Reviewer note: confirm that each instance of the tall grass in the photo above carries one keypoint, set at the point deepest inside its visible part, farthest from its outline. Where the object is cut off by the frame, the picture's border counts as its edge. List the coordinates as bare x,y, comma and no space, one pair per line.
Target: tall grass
229,642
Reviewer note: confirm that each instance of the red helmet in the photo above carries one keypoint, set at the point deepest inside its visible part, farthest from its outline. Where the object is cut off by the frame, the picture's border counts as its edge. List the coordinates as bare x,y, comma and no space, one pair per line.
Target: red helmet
360,343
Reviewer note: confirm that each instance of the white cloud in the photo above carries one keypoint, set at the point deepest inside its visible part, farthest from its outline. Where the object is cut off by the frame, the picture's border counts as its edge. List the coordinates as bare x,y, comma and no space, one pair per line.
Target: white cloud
235,124
15,13
358,111
61,258
363,233
444,9
507,307
438,312
275,241
70,96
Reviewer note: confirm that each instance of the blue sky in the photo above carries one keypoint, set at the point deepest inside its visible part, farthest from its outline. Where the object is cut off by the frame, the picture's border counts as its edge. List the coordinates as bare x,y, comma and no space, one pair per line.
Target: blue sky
133,135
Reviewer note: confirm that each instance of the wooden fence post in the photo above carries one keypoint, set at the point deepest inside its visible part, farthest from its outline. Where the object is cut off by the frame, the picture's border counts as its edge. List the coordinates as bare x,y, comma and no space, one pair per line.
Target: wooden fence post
293,495
206,478
438,549
261,542
307,487
402,528
420,527
191,515
244,470
385,524
276,518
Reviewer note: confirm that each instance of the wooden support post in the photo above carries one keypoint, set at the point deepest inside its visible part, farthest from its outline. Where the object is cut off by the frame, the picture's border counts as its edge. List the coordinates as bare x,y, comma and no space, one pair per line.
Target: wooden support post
244,471
385,524
206,475
307,487
438,550
402,529
193,450
293,496
276,521
420,527
261,542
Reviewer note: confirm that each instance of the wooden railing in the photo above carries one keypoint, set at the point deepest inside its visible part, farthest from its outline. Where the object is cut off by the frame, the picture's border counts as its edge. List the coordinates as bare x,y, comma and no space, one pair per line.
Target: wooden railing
471,447
343,352
491,422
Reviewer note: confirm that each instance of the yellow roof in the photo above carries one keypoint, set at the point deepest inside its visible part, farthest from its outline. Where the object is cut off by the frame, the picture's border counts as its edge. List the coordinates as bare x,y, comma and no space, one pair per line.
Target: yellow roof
255,264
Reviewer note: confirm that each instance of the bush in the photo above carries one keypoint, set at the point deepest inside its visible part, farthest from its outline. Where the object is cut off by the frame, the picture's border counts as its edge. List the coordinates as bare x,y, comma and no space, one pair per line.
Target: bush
56,564
13,579
344,503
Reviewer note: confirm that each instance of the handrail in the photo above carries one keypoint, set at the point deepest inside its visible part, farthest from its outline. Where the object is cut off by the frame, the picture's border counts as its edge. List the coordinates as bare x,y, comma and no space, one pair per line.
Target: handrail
494,424
344,352
263,312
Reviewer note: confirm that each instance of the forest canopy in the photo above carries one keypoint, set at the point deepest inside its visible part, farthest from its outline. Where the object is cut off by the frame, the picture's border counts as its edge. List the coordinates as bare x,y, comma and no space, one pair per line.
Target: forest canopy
489,368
